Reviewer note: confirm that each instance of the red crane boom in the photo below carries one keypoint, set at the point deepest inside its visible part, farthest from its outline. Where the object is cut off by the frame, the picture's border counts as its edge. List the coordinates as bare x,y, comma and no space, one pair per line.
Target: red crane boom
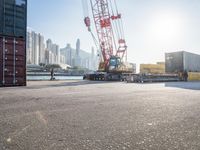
109,31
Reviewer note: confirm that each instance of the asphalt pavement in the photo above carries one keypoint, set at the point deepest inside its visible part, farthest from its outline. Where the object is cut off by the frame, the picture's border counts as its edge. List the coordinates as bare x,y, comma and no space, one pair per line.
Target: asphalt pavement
88,115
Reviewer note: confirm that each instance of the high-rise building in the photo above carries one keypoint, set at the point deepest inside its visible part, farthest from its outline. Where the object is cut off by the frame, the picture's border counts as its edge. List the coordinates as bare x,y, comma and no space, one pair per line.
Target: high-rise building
68,55
85,63
78,47
29,47
58,54
49,44
56,51
53,52
77,57
51,58
35,48
46,56
62,59
41,49
37,53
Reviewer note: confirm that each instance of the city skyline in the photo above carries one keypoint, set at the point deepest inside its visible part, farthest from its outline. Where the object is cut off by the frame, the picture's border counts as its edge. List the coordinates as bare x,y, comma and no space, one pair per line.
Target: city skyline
41,50
151,27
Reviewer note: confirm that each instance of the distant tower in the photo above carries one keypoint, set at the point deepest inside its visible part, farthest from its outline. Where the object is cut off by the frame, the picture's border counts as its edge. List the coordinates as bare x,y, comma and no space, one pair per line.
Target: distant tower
29,48
69,55
78,45
35,48
77,57
41,49
49,44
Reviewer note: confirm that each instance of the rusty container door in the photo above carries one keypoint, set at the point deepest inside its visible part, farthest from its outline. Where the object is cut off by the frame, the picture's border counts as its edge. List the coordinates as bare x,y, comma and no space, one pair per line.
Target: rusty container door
13,61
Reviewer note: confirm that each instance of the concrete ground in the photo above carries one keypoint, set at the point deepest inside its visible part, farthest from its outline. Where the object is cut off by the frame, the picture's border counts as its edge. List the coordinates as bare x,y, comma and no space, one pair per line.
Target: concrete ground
81,115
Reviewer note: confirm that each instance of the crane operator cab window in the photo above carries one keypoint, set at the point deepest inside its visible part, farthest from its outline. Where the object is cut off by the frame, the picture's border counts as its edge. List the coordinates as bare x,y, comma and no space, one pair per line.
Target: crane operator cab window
114,63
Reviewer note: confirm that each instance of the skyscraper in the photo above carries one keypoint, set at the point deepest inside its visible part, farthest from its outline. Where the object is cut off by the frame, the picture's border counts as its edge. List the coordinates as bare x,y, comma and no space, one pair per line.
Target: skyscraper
56,51
77,57
49,44
29,48
58,54
35,48
62,59
41,49
53,52
68,55
78,47
47,58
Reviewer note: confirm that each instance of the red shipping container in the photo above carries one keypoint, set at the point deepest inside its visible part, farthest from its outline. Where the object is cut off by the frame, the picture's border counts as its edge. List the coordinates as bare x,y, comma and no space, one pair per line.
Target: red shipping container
12,61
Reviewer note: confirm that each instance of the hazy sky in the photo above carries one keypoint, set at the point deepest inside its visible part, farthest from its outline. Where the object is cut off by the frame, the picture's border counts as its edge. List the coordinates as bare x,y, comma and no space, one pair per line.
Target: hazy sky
152,27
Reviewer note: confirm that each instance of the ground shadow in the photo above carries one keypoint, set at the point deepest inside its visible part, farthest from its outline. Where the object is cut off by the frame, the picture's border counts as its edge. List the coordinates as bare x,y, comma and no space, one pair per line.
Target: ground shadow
184,85
67,84
78,83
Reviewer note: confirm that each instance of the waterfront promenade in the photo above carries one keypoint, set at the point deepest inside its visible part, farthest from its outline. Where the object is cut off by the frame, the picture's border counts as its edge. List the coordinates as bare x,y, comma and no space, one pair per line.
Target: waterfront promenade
76,115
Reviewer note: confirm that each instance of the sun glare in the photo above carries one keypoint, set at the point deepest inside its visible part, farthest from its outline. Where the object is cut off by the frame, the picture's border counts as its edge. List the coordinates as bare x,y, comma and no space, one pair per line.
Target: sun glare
166,26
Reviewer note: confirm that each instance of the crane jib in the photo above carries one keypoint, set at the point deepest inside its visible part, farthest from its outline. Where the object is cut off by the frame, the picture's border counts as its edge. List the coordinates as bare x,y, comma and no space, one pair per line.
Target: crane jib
109,30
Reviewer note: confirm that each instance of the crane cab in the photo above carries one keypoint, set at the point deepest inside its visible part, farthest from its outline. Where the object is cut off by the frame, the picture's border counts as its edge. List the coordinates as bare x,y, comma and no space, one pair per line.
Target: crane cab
114,63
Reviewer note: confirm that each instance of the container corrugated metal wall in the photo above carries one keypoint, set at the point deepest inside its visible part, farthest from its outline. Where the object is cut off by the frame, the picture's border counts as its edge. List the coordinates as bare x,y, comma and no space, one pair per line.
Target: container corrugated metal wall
174,62
181,61
152,68
13,61
191,62
13,14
